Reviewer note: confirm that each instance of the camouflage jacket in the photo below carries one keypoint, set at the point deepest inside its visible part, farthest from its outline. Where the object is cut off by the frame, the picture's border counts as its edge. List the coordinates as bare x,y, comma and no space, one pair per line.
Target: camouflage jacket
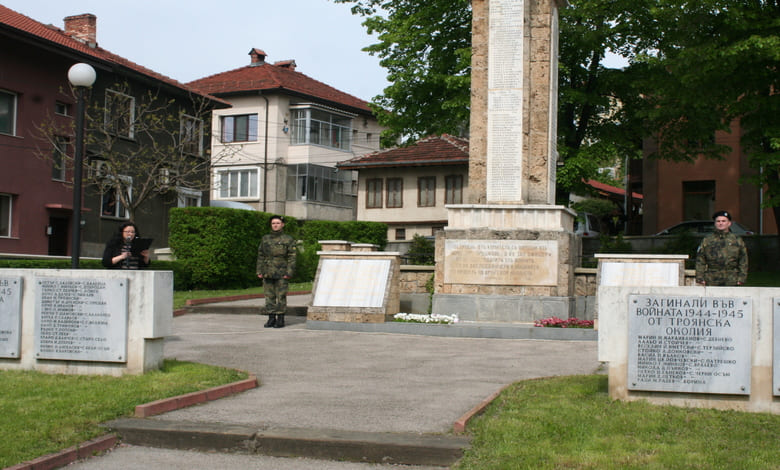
722,260
276,256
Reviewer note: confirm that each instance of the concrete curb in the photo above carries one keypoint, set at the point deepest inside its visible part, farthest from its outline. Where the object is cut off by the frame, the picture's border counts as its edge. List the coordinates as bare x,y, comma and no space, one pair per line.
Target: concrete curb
460,425
373,447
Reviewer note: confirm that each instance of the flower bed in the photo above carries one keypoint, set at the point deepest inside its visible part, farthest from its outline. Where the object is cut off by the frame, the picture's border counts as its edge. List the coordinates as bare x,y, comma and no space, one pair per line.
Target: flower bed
419,318
555,322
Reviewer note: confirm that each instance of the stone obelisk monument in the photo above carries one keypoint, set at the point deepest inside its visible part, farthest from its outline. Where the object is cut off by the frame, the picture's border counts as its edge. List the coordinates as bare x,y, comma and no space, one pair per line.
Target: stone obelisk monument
509,254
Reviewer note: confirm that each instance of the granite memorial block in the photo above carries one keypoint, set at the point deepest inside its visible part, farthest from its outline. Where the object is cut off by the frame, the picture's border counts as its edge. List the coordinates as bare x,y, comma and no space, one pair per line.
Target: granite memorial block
352,283
776,355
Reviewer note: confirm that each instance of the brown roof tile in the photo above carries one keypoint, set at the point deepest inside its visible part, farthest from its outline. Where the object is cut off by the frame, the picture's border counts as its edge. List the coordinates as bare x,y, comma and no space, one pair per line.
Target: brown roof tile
436,150
26,25
279,76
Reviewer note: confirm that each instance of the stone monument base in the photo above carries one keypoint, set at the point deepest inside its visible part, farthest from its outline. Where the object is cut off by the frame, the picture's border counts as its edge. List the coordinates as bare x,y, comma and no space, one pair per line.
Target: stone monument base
506,263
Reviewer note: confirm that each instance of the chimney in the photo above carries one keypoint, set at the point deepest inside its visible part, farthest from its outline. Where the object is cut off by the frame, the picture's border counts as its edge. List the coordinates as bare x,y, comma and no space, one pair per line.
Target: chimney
287,64
258,56
82,28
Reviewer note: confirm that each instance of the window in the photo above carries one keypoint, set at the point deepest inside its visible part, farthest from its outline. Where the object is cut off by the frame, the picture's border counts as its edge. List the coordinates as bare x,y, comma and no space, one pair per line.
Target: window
111,205
454,189
188,197
308,182
698,199
58,158
400,234
374,193
395,188
313,126
61,108
191,135
241,128
6,206
238,183
120,114
426,191
7,113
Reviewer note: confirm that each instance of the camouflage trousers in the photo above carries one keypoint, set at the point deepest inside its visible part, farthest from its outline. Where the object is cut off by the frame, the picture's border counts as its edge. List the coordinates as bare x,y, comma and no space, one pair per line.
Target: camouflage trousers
721,278
275,291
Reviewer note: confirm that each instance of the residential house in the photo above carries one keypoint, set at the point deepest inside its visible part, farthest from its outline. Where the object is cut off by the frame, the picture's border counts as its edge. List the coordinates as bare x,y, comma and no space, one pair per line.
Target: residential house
408,187
36,198
277,148
676,191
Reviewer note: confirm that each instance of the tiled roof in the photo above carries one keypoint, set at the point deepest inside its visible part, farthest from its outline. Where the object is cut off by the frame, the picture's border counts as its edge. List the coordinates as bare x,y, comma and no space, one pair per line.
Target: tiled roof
603,187
267,77
11,20
437,150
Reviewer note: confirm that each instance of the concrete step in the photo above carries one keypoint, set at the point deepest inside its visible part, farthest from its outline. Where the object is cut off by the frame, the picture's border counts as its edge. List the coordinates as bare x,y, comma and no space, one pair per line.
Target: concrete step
328,444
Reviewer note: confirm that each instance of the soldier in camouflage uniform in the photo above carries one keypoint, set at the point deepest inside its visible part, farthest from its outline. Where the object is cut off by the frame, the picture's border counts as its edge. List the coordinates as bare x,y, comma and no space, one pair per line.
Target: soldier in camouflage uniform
275,266
722,259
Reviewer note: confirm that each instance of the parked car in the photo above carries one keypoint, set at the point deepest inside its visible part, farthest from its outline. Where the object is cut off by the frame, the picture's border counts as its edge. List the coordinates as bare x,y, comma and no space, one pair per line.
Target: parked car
702,227
587,225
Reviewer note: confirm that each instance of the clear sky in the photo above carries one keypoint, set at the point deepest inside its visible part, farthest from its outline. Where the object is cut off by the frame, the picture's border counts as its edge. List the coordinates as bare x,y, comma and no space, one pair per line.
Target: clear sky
191,39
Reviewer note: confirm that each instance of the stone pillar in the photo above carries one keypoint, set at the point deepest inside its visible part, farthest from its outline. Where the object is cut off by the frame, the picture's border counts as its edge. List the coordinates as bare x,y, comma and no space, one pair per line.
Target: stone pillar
509,255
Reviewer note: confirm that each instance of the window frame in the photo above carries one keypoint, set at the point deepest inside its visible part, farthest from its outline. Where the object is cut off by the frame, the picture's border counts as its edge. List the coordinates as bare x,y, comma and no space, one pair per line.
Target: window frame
6,220
374,194
308,127
183,194
394,196
111,120
191,135
252,183
450,191
227,132
119,212
13,111
429,189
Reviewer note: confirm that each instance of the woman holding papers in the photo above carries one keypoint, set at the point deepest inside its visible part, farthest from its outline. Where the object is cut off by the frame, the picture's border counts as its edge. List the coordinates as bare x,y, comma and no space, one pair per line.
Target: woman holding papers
126,249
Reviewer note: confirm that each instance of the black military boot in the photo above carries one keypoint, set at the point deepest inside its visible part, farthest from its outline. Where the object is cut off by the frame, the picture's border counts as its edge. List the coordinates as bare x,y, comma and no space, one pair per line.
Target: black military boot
271,321
279,321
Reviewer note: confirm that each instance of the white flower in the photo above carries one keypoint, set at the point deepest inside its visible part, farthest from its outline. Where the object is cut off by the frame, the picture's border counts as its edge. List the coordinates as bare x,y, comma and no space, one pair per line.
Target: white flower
420,318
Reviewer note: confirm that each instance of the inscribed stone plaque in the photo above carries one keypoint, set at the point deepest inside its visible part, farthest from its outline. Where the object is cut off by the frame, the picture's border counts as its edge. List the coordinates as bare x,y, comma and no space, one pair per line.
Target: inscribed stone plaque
501,262
10,316
505,101
776,363
81,319
352,283
640,274
689,344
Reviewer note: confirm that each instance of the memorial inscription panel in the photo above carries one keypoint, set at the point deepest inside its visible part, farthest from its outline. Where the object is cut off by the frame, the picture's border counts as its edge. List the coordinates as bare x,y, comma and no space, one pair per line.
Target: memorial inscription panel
10,316
505,98
776,337
689,344
501,262
81,319
352,283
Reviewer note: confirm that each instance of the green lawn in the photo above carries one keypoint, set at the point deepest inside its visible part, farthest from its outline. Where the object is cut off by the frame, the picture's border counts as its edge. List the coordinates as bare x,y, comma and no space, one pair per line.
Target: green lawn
570,422
181,297
45,413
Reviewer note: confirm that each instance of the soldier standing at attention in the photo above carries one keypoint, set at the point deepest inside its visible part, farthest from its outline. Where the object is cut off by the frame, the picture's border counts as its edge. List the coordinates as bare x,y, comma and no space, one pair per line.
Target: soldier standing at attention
722,259
275,266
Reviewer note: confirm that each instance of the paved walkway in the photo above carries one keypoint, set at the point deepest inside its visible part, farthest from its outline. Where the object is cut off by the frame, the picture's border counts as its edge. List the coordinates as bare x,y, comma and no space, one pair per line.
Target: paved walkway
340,382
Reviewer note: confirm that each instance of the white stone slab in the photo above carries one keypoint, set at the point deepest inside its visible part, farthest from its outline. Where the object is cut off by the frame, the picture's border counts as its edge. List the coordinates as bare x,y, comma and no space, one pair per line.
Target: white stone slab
692,344
81,319
505,101
10,316
352,283
640,274
776,355
501,262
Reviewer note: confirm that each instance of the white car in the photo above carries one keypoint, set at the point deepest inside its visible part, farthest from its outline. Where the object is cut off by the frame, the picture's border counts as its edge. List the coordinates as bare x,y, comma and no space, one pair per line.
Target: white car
587,225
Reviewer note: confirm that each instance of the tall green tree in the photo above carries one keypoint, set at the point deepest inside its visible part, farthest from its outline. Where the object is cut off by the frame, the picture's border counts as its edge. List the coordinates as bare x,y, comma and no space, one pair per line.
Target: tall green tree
709,64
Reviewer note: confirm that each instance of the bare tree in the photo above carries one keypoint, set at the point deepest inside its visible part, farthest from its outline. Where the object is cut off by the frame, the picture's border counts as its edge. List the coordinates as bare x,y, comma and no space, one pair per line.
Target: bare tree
138,147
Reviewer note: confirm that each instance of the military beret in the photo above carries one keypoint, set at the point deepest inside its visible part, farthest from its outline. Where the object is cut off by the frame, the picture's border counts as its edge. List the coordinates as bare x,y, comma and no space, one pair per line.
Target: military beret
721,214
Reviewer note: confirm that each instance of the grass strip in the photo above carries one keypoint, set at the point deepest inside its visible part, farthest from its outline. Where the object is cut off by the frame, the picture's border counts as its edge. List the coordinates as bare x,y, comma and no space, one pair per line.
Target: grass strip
570,422
45,413
180,298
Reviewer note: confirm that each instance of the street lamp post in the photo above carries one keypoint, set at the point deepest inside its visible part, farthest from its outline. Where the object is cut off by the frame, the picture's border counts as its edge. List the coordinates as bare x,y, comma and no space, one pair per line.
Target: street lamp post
81,76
